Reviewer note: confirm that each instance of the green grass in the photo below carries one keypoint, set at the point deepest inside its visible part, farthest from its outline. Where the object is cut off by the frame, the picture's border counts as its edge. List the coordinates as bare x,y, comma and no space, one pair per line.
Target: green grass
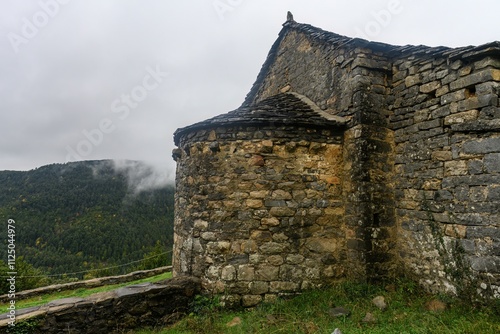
308,313
81,293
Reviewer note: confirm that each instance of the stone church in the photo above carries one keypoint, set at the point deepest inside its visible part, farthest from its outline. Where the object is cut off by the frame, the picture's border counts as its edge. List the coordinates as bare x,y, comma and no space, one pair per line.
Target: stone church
348,159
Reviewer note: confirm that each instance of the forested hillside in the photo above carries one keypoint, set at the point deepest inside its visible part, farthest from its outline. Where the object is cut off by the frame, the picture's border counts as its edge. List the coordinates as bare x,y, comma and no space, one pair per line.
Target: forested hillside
82,216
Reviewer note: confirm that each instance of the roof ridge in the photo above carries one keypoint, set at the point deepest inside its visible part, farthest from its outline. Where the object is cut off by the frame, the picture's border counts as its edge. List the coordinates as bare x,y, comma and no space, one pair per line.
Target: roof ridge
314,107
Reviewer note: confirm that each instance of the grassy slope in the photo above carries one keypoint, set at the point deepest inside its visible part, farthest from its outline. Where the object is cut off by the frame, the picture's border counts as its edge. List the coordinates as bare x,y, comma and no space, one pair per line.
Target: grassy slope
308,313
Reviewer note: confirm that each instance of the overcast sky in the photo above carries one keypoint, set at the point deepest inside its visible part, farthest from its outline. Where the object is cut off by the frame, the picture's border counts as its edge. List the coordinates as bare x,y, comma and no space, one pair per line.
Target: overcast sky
113,79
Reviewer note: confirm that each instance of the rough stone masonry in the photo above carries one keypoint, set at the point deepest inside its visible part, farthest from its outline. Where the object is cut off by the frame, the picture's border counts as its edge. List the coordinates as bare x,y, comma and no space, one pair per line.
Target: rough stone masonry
348,159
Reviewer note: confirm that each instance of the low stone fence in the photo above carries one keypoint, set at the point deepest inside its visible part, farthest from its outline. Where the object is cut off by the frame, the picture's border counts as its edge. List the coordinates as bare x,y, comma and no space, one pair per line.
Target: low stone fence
142,305
87,284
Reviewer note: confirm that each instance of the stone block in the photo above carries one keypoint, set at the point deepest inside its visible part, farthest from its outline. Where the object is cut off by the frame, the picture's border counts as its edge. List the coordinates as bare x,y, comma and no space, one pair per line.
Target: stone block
421,115
259,287
218,247
261,236
475,166
482,146
228,273
493,193
435,123
441,217
449,78
442,90
441,112
456,231
453,97
476,77
275,260
488,88
250,300
267,273
260,194
478,102
477,194
486,62
254,203
412,80
272,221
461,117
465,70
487,264
281,212
321,245
371,63
469,219
490,113
441,155
492,162
280,237
455,167
468,246
273,247
441,74
248,246
294,259
430,87
246,273
290,272
281,195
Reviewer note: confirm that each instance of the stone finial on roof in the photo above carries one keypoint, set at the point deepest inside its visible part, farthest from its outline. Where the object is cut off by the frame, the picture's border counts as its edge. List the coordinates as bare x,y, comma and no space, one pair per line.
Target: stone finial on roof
289,17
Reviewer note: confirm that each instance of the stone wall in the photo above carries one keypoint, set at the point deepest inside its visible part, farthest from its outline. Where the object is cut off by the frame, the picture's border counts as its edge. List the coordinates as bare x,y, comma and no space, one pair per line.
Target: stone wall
446,119
262,211
87,284
417,166
135,306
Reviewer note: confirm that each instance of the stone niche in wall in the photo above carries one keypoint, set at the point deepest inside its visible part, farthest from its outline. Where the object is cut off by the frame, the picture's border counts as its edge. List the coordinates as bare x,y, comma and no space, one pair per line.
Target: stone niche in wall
259,206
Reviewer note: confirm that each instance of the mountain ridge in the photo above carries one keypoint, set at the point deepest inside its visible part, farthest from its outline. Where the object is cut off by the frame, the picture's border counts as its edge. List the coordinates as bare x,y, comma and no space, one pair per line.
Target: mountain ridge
87,215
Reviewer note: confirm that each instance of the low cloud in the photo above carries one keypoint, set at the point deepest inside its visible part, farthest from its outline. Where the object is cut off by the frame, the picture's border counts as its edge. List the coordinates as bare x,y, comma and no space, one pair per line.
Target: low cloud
142,176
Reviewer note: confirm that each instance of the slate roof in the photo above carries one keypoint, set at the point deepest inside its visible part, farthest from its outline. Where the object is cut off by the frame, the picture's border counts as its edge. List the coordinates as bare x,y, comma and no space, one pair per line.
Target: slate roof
281,109
336,41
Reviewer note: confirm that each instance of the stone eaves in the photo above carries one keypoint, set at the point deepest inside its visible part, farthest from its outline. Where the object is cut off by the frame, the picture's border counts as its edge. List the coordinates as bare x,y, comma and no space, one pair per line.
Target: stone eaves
281,109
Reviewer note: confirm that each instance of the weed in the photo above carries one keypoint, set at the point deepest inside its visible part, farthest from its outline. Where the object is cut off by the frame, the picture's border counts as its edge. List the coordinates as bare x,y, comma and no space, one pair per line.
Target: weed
204,304
24,327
